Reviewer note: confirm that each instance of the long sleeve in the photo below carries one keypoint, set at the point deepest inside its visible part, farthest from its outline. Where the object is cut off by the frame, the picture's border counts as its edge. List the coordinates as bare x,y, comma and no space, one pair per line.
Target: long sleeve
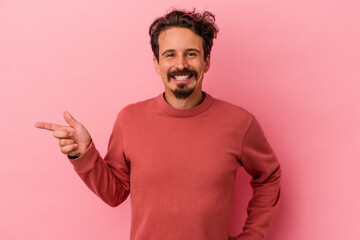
109,178
183,164
261,163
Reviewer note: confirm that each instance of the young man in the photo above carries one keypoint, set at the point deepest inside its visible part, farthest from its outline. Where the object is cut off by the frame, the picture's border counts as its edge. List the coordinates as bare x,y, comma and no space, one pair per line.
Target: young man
178,153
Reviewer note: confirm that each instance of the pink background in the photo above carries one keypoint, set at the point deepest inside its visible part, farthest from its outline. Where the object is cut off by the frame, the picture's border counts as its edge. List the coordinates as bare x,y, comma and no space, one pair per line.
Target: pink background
294,64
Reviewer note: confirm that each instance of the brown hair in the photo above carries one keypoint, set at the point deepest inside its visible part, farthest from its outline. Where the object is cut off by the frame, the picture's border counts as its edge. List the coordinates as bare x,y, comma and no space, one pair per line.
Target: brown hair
202,24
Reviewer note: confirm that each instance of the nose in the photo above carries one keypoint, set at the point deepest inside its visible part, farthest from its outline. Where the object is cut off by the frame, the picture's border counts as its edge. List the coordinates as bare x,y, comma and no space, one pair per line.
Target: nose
180,62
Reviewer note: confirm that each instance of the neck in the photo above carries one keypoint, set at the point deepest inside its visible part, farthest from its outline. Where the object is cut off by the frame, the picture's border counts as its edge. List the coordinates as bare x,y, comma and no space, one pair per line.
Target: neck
191,101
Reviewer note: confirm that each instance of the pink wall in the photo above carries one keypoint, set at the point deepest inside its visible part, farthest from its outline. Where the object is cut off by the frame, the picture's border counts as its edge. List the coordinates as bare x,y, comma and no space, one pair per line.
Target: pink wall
294,64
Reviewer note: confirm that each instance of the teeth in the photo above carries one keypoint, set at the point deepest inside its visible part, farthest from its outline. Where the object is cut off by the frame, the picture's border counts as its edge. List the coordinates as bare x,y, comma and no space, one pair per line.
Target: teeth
181,78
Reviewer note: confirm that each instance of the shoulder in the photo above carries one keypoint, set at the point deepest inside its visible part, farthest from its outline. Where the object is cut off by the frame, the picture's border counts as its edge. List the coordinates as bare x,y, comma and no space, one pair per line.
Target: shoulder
231,115
139,106
137,110
231,110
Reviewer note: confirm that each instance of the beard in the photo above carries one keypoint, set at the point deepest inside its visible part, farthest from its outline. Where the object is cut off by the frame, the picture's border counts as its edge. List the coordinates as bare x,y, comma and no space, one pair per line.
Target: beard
182,91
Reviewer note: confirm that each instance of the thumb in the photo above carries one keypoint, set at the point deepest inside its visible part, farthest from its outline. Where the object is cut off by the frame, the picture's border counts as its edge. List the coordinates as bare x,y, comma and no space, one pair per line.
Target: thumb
71,120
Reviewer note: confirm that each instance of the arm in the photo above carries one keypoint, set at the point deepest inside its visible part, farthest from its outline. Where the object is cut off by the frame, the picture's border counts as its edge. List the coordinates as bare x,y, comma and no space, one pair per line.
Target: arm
261,163
109,178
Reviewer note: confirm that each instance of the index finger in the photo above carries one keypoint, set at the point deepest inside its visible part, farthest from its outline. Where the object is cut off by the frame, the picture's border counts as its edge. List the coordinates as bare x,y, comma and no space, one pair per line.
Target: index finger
51,126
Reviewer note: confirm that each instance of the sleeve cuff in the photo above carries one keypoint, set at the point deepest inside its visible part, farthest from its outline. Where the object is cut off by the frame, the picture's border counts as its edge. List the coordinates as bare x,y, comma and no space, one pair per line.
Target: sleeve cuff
86,161
250,234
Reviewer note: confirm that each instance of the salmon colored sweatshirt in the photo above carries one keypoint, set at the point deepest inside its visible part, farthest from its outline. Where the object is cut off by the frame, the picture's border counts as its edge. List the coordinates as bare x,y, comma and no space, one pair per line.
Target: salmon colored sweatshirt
180,167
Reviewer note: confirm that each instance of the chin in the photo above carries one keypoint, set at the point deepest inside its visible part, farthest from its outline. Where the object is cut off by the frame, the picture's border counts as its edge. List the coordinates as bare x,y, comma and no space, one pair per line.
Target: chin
183,93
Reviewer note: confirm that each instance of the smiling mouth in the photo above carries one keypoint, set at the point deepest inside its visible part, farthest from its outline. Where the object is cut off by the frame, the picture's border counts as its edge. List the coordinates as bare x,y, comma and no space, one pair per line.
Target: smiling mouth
182,77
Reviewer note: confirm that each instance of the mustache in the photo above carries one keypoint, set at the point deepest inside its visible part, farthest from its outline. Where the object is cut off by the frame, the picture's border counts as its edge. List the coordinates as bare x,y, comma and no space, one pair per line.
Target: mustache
185,71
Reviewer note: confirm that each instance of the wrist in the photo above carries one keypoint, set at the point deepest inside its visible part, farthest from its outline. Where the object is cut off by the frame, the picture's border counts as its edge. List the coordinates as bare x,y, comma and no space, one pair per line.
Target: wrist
79,154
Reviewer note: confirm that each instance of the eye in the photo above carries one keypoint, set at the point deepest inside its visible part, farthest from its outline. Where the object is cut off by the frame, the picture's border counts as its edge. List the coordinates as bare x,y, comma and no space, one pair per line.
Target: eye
191,54
169,55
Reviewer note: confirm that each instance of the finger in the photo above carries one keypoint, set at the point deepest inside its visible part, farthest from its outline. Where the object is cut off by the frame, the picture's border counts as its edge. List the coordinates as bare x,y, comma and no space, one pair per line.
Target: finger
69,148
61,134
50,126
70,120
64,141
73,154
72,132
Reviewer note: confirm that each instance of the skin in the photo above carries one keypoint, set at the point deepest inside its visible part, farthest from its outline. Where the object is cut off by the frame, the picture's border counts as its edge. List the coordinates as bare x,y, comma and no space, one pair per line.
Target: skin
179,48
74,139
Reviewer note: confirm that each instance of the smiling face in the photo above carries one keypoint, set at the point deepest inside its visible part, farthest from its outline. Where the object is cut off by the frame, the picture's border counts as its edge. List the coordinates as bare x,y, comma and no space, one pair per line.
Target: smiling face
181,62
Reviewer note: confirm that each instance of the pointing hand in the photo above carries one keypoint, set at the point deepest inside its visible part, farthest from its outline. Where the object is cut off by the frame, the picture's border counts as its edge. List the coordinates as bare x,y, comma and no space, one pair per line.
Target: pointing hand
74,140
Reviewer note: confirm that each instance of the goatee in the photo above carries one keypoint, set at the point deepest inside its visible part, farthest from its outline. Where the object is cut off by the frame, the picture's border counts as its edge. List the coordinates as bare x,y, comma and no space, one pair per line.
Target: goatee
182,93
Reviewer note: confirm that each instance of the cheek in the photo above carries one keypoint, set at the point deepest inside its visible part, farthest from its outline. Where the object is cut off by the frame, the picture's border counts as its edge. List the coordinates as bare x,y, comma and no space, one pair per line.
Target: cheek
164,68
198,65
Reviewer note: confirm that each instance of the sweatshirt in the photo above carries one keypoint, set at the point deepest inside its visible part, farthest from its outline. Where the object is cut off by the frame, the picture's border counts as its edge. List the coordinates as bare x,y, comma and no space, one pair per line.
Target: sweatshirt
180,168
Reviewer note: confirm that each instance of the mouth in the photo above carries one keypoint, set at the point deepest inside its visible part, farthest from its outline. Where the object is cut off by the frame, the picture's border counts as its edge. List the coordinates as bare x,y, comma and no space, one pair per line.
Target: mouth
182,76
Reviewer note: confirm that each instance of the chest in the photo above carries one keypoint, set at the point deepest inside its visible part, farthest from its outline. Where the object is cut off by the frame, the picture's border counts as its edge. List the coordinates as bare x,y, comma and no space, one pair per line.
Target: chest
176,151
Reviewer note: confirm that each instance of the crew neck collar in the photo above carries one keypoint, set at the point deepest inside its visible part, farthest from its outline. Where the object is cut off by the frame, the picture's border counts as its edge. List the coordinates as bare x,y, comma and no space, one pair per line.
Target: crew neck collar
205,104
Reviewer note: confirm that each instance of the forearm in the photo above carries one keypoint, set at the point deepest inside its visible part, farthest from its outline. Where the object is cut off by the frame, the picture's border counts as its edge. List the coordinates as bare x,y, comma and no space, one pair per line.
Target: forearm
100,178
262,207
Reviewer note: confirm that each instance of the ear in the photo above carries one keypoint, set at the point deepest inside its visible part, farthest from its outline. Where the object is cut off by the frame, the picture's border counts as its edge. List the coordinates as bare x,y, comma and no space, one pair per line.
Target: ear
207,63
156,65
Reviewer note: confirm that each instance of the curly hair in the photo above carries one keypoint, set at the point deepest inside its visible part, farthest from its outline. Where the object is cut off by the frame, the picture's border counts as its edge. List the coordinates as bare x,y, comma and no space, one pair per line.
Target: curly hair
202,24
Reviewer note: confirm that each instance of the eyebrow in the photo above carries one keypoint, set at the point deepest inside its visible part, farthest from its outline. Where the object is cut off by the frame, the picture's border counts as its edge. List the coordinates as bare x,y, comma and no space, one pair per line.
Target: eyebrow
187,50
192,50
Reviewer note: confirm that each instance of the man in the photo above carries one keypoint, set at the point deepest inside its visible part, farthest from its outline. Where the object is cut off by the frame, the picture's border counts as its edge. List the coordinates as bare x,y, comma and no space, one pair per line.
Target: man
178,153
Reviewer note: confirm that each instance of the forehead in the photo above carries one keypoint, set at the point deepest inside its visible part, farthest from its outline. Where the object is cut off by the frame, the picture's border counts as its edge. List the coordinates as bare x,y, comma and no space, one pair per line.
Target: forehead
179,39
